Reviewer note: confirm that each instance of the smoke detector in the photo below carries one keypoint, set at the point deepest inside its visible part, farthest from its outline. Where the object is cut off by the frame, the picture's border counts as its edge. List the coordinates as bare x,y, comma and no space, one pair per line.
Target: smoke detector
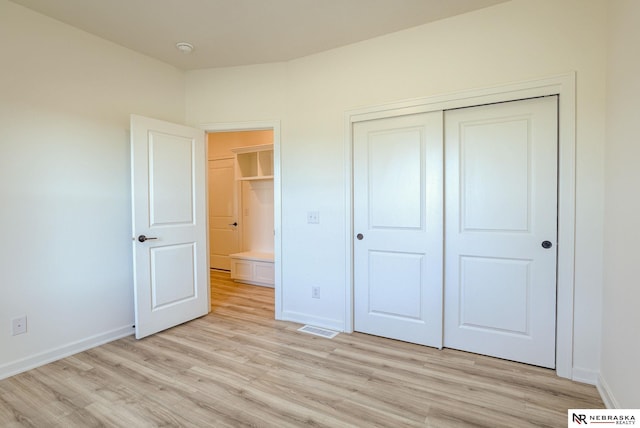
184,47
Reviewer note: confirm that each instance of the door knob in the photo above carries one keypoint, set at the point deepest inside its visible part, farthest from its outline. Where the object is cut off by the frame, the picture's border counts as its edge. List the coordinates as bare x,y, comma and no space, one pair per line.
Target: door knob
546,244
143,238
359,236
235,223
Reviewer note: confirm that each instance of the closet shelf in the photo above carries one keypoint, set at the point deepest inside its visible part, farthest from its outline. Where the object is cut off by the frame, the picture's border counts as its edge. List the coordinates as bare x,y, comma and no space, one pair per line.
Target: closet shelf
254,162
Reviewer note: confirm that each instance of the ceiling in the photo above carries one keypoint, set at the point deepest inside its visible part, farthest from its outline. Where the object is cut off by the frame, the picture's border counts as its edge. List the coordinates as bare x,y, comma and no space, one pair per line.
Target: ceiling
240,32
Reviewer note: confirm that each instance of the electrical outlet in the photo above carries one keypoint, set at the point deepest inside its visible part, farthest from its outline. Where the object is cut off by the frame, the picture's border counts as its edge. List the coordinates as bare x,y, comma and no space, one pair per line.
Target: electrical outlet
19,325
315,292
313,217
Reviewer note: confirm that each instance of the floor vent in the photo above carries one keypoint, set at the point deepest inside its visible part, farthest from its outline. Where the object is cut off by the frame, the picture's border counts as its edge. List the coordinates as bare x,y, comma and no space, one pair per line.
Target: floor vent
317,331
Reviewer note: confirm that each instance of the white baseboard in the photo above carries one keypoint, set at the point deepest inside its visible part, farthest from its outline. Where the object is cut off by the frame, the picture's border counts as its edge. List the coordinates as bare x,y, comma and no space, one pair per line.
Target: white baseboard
584,375
331,324
33,361
610,401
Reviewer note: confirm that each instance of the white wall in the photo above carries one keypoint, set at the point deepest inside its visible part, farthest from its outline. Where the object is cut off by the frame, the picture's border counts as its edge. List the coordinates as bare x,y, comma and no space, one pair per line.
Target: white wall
65,246
236,94
257,215
620,370
514,41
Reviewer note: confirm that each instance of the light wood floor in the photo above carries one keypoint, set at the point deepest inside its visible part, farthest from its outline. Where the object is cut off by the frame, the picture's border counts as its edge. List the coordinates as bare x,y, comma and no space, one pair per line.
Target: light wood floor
239,367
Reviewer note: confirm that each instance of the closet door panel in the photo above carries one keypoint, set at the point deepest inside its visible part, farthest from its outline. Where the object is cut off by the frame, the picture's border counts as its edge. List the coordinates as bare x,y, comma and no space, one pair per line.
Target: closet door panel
501,227
398,224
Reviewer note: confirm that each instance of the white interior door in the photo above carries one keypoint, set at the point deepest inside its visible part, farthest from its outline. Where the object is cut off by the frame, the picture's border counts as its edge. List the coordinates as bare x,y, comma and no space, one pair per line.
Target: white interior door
501,206
398,221
169,210
223,213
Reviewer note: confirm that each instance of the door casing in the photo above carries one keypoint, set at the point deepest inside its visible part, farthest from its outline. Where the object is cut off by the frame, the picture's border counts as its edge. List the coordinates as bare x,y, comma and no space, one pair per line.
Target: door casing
562,85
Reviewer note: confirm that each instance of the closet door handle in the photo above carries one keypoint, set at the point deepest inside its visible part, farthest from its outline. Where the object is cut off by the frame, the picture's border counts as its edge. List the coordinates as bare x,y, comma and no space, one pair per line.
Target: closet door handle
143,238
235,223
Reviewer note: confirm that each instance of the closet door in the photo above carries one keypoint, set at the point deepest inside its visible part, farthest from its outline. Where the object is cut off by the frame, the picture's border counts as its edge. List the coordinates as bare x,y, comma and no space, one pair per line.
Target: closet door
398,225
501,229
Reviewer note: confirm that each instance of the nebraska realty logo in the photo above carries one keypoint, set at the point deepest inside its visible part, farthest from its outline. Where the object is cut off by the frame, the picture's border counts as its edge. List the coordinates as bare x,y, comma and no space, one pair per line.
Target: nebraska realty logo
580,417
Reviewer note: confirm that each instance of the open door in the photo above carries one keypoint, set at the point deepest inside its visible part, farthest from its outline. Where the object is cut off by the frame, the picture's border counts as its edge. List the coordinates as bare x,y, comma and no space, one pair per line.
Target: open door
168,179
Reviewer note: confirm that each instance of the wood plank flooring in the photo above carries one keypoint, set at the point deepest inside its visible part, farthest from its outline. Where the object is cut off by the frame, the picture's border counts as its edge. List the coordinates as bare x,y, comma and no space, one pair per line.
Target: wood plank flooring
238,367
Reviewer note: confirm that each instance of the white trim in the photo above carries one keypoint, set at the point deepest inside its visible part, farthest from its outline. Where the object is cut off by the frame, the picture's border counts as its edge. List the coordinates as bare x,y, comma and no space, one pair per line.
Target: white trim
258,125
277,192
585,376
563,85
348,204
46,357
609,400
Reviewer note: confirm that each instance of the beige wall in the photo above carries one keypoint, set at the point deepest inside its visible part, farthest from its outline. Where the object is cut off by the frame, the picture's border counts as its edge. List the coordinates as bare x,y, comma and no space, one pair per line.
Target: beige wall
65,252
221,143
620,370
514,41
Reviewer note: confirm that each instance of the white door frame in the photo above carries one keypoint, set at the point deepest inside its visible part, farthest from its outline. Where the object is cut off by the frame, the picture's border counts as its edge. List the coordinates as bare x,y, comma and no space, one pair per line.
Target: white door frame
277,193
563,85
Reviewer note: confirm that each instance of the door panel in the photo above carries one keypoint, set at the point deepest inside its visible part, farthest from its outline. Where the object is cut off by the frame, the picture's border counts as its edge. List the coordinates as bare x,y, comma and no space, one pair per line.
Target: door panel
171,179
396,157
398,211
495,198
173,274
223,236
404,302
171,281
478,289
501,204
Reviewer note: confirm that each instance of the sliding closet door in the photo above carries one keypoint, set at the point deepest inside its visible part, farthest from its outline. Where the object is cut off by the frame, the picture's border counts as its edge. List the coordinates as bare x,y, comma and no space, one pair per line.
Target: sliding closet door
501,229
398,227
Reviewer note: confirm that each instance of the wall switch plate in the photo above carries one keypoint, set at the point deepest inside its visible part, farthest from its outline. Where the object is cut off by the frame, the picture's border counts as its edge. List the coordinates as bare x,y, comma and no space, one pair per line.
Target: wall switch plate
315,292
19,325
313,217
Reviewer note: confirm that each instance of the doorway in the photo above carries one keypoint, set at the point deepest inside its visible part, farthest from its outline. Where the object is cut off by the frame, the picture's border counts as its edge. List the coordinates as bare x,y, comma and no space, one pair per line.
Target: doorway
240,211
164,201
274,128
